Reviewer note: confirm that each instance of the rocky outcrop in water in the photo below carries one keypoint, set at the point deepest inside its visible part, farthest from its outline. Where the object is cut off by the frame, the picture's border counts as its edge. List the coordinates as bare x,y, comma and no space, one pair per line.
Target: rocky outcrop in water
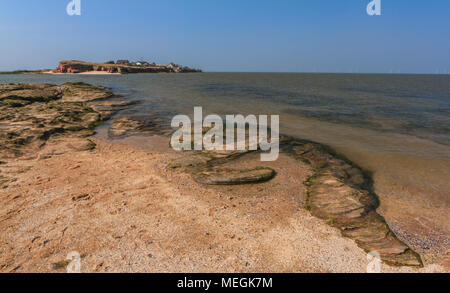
341,194
124,126
31,114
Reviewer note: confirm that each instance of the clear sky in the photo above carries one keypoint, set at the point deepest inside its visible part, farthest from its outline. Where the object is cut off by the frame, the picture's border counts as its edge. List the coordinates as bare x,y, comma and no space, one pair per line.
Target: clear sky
411,36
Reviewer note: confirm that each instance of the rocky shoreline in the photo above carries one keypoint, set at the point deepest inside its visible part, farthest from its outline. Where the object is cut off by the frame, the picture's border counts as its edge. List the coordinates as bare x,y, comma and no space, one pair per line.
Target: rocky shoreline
40,121
32,114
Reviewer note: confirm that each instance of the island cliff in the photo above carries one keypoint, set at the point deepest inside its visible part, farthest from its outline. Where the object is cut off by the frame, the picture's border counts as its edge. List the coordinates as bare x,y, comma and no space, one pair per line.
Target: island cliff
121,67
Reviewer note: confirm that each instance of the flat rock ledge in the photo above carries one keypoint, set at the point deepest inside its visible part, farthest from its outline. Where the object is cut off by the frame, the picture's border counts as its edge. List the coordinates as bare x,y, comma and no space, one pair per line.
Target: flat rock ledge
234,177
341,194
124,126
32,114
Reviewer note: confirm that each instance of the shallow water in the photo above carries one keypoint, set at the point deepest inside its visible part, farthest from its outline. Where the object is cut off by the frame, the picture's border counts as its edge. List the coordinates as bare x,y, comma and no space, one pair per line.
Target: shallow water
396,126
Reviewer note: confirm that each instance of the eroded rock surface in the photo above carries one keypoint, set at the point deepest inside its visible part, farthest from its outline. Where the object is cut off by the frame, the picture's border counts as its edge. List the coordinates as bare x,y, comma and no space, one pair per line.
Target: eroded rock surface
31,114
341,194
122,126
234,177
82,92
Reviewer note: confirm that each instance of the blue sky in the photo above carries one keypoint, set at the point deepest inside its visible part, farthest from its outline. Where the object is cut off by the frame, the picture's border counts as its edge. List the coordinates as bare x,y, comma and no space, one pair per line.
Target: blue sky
411,36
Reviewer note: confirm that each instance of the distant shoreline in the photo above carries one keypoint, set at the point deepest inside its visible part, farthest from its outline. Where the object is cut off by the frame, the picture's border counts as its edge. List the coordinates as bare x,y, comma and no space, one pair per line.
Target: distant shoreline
81,73
110,67
119,67
51,71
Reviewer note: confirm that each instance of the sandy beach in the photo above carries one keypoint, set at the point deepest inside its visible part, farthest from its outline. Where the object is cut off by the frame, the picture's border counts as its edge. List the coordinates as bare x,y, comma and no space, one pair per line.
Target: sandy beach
128,203
124,211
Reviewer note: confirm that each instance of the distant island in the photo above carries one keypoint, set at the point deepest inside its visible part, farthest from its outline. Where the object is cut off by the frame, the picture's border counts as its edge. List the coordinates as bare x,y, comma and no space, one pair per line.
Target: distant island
110,67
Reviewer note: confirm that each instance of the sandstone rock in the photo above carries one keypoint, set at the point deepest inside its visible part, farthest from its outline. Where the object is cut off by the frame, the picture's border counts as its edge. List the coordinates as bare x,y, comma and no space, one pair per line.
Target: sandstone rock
27,94
108,108
136,124
82,92
321,157
234,177
123,125
341,194
33,113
